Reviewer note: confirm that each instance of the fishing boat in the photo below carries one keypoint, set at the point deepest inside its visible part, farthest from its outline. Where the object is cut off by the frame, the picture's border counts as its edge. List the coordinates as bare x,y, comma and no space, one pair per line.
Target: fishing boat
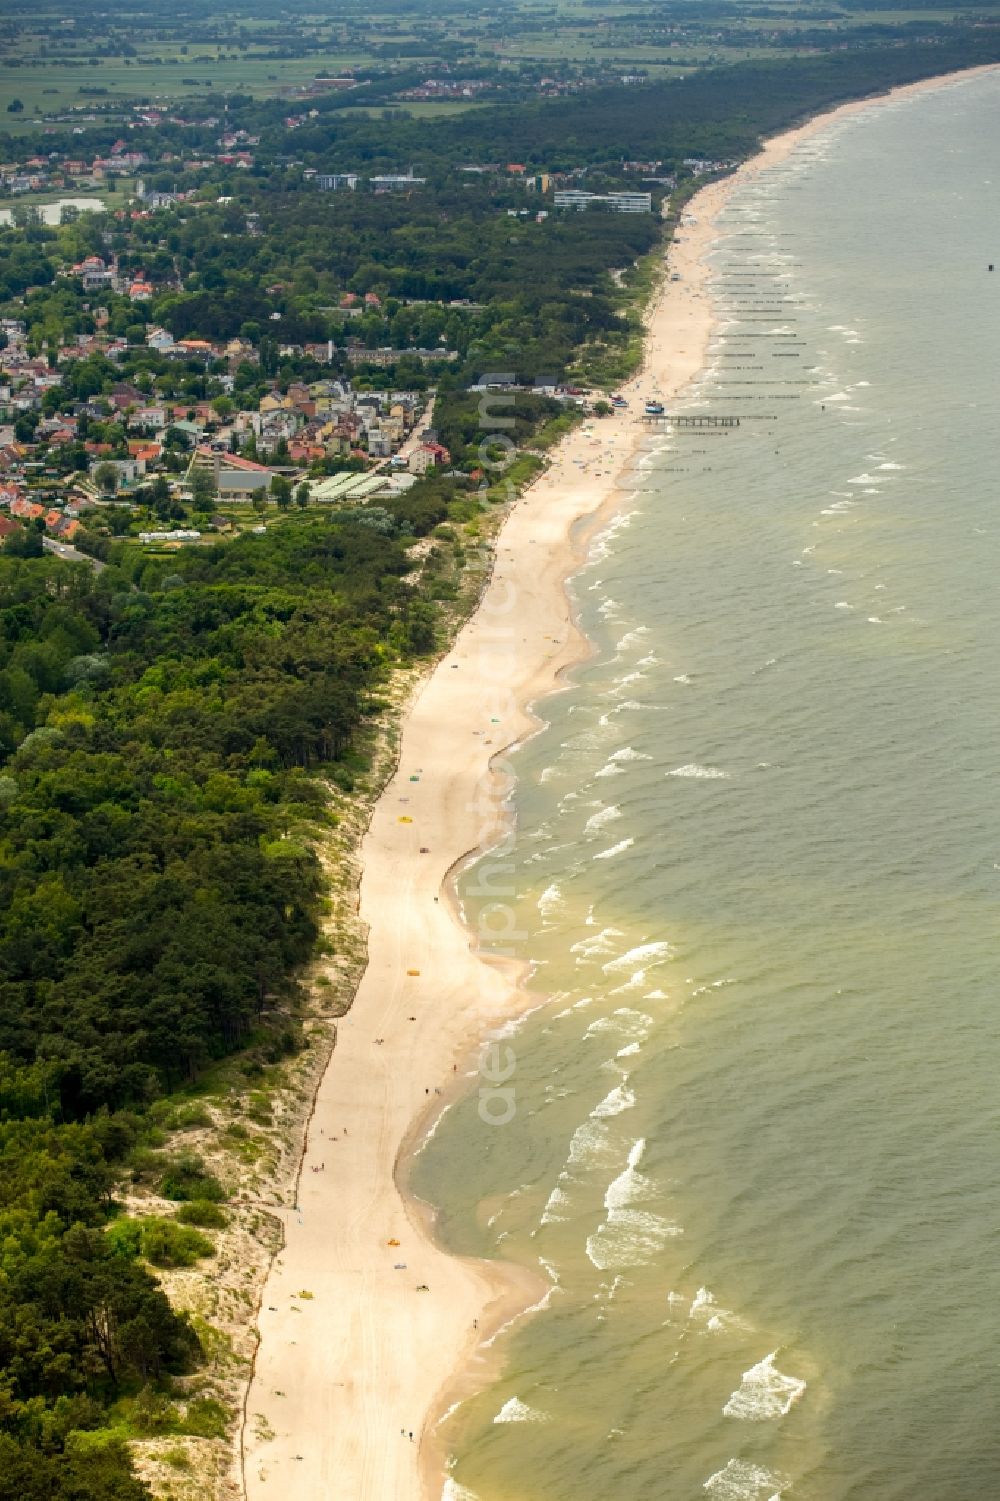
655,409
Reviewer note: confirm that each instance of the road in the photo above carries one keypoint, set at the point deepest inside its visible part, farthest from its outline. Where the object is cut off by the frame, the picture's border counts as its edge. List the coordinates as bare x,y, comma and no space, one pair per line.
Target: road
71,554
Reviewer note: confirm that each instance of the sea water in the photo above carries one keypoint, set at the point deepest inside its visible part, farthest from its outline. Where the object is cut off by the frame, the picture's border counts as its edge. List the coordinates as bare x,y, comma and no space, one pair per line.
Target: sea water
755,1150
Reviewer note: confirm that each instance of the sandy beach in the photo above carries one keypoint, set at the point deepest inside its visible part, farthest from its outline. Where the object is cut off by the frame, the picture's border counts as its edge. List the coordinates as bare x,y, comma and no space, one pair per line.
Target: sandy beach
368,1329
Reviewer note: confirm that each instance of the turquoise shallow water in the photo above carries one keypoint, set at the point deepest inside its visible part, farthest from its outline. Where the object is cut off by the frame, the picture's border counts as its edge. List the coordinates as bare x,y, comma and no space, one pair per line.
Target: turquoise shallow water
757,863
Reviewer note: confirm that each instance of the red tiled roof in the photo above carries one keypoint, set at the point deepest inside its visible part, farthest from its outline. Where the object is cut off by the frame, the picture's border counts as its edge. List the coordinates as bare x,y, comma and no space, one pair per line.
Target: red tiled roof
234,461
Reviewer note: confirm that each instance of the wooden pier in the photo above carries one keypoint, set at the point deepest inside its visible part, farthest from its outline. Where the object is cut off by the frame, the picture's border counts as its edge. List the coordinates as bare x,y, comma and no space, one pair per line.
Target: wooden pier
658,418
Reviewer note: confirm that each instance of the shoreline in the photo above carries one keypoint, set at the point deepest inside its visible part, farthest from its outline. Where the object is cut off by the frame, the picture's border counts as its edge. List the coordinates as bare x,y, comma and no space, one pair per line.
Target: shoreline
352,1381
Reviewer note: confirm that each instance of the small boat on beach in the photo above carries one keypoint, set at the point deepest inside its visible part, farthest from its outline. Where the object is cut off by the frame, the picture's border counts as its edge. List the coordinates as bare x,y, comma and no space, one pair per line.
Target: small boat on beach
655,409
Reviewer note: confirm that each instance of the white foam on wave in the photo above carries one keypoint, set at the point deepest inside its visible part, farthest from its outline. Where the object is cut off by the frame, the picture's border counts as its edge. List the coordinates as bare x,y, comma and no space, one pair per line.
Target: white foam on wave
613,766
628,754
764,1393
699,773
705,1310
632,638
623,684
433,1129
556,1201
635,981
742,1481
632,1025
600,548
452,1491
628,707
580,1005
616,849
591,1146
620,1099
628,1238
682,677
711,985
551,900
630,1185
598,820
702,1299
641,954
516,1411
633,1047
588,949
889,465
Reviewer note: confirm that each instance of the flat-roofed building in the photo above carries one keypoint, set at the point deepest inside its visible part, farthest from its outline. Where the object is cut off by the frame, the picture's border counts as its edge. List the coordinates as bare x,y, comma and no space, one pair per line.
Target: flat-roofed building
618,203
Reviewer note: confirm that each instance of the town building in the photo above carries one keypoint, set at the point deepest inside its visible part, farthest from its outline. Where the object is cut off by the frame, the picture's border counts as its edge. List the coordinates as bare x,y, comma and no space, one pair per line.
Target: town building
396,183
618,203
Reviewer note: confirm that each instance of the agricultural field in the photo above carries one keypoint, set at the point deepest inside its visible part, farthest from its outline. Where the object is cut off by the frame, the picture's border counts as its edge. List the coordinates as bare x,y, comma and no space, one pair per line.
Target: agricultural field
61,59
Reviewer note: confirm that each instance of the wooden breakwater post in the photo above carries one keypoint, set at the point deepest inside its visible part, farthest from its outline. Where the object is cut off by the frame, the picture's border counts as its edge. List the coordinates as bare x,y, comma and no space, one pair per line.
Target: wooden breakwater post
659,419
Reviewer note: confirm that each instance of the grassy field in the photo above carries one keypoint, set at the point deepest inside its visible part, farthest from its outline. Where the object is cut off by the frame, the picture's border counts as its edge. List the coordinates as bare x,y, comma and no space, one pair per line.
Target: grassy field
56,87
420,109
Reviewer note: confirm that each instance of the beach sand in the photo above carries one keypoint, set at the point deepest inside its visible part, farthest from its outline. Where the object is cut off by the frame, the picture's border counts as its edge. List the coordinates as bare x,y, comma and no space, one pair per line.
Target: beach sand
351,1379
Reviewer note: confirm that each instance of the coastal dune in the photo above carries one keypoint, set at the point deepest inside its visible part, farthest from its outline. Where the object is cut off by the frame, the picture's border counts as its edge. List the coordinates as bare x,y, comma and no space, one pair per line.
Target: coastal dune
365,1320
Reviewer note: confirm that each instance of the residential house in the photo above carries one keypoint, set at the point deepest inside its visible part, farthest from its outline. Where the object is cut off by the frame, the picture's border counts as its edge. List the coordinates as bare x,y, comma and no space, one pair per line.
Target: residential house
274,402
124,396
153,418
191,430
127,471
28,510
94,274
197,346
238,350
429,456
144,451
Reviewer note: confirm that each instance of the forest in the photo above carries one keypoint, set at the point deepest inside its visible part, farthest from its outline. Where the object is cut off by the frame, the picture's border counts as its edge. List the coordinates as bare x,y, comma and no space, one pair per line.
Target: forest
163,728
